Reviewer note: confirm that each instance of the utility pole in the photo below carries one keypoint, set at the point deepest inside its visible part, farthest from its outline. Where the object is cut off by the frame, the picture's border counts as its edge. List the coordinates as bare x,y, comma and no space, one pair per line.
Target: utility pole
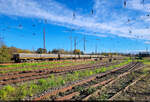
96,46
44,38
71,39
146,49
84,43
75,43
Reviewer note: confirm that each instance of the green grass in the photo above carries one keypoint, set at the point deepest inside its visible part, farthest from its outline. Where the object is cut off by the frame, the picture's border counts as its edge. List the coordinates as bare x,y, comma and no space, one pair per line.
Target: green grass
33,64
145,61
21,91
63,64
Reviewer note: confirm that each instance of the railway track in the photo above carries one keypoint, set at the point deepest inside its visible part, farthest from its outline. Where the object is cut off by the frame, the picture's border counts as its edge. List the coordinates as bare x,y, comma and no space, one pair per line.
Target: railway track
44,69
84,95
12,78
126,88
46,65
100,79
136,91
13,63
120,84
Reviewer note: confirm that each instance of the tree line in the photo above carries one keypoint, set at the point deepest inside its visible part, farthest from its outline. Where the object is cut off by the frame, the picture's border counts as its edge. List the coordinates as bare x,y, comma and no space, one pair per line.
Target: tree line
6,53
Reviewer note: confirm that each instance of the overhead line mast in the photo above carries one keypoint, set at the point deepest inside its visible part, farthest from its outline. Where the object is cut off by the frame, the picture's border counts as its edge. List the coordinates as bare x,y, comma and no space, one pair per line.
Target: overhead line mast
84,44
44,38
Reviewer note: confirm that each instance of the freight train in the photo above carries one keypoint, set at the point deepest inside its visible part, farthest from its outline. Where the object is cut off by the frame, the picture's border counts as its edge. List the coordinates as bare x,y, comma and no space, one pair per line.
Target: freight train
25,57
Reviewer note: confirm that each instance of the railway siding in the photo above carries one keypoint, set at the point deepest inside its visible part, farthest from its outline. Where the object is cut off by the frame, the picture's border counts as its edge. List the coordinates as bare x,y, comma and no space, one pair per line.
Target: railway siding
116,87
45,73
138,90
61,81
98,75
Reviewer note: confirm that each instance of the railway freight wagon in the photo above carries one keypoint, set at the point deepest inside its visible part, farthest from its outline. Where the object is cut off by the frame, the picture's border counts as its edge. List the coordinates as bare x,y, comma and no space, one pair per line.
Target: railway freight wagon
25,57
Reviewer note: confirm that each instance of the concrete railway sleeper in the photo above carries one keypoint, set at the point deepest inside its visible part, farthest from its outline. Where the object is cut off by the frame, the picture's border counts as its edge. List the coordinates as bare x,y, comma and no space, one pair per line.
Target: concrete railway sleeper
91,79
31,76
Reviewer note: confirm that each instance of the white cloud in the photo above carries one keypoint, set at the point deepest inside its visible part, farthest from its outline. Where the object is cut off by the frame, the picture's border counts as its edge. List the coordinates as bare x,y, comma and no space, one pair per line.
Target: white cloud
103,21
91,33
147,42
138,5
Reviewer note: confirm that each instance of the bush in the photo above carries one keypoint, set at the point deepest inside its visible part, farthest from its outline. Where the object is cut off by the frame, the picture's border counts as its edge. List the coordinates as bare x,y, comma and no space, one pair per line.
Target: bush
7,52
63,82
42,82
6,92
52,83
24,93
9,89
3,94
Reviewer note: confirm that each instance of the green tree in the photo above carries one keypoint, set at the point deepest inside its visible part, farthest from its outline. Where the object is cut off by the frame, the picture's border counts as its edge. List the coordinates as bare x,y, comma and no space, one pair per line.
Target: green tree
4,54
41,50
77,51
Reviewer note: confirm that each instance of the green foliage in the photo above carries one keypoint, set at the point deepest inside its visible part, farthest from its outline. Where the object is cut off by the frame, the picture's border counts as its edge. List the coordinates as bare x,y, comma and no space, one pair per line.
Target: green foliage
90,90
52,83
33,66
6,91
58,51
103,97
5,55
42,82
7,52
41,50
78,88
63,82
77,51
103,69
3,94
91,73
24,90
9,88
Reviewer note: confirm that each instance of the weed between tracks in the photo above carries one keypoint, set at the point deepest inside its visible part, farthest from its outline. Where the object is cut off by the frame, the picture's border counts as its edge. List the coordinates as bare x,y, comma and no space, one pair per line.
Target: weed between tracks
33,66
115,87
139,91
28,90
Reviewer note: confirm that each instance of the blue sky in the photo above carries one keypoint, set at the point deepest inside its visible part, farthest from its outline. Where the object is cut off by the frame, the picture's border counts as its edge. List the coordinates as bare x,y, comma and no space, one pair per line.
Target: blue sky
119,28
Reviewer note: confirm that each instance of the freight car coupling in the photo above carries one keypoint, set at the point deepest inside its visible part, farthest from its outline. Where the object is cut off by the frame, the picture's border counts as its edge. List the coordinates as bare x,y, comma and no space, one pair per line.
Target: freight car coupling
27,57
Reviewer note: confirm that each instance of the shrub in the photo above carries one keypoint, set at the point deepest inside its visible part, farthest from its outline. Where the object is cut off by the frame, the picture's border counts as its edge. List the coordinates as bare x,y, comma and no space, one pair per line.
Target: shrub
103,70
52,83
42,82
3,94
9,89
91,73
23,93
63,82
90,90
